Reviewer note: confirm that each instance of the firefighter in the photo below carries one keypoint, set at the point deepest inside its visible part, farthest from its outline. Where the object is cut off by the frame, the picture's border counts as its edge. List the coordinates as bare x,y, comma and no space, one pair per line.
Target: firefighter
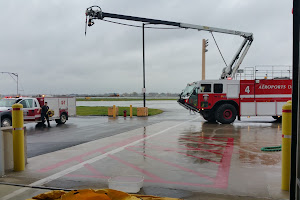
44,114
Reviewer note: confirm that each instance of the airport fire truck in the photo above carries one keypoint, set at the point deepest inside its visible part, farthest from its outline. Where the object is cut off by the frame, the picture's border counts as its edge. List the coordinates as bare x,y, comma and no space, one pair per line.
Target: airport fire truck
63,108
225,99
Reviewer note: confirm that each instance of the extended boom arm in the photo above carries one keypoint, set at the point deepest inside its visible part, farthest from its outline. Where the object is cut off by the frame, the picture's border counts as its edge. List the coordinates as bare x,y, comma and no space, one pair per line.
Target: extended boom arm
95,12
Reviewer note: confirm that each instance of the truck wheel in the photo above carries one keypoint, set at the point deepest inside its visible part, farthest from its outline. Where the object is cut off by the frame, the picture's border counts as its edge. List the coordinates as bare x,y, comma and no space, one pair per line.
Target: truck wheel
226,114
5,122
62,119
209,117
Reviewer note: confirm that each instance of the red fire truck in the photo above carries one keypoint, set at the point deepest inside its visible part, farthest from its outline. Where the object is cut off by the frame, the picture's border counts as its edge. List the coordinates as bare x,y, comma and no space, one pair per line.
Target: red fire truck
225,99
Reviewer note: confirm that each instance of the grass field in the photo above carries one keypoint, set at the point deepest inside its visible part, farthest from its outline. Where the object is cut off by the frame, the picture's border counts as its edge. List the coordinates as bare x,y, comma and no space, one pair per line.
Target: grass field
120,99
103,110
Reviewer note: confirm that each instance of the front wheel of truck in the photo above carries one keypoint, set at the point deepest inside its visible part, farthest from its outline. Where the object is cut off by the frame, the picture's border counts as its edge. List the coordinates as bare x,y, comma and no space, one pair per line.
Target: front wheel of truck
226,114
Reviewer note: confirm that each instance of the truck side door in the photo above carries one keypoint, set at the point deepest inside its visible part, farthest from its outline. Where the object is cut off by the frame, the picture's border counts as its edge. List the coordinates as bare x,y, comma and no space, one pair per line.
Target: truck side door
206,99
193,100
28,109
37,109
218,93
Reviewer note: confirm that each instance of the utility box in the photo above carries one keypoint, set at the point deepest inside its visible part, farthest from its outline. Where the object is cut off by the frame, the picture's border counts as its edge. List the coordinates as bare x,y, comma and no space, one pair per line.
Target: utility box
110,111
142,111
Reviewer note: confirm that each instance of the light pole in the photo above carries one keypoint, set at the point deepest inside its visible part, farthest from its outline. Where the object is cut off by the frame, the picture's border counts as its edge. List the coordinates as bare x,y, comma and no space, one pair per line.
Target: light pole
144,81
15,74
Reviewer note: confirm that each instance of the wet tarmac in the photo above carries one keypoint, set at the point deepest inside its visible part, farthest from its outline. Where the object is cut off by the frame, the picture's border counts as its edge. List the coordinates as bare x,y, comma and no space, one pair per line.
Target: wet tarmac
44,140
178,154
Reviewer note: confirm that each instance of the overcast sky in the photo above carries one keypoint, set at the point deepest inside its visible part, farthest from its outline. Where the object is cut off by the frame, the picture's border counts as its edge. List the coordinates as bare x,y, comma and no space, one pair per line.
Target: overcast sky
44,42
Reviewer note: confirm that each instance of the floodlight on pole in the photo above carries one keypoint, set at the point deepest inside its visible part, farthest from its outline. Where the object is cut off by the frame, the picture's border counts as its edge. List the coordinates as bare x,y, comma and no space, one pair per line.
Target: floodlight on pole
206,45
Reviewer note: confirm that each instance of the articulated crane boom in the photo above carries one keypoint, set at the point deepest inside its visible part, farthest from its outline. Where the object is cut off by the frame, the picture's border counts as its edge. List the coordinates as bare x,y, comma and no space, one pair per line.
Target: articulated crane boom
95,12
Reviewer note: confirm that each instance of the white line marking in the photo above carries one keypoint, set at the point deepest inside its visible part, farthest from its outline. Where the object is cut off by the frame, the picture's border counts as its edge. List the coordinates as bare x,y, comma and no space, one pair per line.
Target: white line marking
80,165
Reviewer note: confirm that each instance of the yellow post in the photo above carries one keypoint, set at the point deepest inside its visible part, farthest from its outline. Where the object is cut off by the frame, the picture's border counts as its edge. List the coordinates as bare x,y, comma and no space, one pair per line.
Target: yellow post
130,111
18,137
114,111
286,145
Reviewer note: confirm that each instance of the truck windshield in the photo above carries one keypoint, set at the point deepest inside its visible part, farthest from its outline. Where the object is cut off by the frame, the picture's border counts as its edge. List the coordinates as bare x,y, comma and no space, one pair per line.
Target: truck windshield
188,90
7,102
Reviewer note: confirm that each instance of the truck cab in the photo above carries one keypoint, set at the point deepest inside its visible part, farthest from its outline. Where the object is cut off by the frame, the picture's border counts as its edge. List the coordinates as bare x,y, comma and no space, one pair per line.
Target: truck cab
31,109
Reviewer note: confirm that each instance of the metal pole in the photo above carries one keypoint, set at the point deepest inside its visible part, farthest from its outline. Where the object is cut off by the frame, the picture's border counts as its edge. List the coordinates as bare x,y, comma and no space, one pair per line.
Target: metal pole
17,85
144,85
294,158
203,59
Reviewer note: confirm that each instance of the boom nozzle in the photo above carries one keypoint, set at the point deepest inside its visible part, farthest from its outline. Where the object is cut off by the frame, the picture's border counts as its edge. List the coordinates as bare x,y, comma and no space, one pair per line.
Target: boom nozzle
93,12
91,22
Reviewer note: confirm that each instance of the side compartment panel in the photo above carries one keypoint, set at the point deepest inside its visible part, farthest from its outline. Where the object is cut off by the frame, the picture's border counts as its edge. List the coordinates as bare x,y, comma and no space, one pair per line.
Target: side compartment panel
72,107
248,109
53,105
266,108
233,90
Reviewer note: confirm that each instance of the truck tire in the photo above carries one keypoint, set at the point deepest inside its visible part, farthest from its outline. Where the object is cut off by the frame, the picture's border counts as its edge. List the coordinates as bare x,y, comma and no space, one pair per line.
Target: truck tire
226,114
209,117
5,122
62,119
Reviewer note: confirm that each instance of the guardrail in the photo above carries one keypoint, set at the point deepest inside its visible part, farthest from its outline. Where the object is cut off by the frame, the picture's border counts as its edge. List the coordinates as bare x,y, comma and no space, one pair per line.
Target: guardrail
265,72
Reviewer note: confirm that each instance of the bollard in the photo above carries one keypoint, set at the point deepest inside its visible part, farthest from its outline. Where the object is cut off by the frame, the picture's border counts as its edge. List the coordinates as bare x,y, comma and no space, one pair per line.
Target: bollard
286,145
114,111
18,137
125,113
130,111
